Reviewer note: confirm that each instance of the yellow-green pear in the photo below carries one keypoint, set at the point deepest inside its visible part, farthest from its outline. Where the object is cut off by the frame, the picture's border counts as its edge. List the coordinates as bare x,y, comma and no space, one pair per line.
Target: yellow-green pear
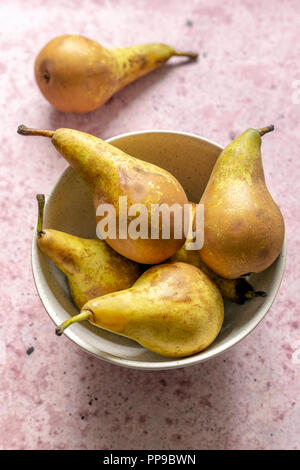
173,309
110,174
76,74
243,226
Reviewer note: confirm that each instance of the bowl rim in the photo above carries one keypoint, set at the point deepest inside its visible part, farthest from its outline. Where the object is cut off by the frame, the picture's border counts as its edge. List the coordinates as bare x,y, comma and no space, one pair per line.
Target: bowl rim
202,356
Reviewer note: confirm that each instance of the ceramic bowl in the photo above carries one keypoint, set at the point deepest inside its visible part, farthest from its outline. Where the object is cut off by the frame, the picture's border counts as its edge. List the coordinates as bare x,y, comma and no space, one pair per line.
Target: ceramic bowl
69,208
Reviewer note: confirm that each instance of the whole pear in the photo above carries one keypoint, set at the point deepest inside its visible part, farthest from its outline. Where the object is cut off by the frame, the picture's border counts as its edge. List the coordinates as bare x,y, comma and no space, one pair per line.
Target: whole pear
173,309
236,290
91,266
243,227
111,173
76,74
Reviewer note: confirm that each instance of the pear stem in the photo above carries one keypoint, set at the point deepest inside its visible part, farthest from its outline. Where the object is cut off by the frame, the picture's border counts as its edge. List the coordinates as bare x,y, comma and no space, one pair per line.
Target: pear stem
24,130
84,315
191,55
251,294
266,129
41,205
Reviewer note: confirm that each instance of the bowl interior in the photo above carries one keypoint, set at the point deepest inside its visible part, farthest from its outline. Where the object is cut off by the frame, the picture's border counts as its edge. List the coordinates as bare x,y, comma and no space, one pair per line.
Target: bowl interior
70,208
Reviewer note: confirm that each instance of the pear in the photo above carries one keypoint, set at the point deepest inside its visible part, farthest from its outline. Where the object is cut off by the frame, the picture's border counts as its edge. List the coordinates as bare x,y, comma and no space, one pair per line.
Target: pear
236,290
91,266
76,74
243,227
173,309
111,173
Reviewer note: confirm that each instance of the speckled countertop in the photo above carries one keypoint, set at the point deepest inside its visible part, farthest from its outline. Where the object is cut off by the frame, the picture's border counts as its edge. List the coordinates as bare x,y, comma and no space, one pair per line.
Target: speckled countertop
55,396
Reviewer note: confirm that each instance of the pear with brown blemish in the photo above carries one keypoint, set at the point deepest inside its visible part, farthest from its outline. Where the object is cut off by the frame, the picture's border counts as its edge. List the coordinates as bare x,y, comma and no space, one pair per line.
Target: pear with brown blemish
111,173
91,266
243,226
173,309
78,75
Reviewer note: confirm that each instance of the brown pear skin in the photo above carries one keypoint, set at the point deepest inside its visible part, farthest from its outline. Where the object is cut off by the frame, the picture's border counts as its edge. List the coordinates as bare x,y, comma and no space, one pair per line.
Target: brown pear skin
91,266
173,309
243,226
76,74
110,173
236,290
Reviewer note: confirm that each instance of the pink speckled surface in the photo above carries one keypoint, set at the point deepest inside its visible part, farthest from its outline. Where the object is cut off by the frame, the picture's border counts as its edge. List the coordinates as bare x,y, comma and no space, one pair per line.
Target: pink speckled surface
59,397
